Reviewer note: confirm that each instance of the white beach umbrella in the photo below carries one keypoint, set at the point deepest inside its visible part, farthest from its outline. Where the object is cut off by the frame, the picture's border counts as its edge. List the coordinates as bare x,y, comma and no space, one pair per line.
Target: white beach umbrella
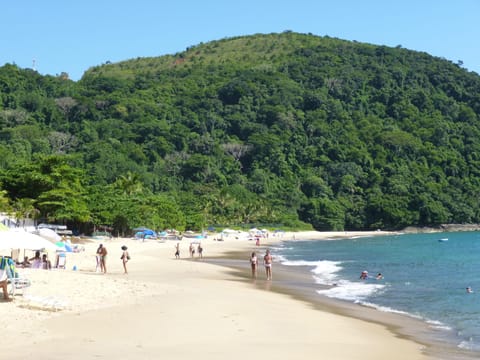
20,239
48,234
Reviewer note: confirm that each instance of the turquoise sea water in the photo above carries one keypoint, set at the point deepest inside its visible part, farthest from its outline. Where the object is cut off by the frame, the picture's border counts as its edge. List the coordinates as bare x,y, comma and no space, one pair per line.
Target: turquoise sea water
425,276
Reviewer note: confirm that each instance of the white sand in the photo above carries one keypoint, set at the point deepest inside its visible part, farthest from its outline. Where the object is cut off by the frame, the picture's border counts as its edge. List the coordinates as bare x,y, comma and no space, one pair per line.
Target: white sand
174,309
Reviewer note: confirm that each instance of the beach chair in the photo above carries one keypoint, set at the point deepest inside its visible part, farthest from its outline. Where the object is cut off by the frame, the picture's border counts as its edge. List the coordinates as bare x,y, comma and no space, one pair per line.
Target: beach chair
15,281
61,262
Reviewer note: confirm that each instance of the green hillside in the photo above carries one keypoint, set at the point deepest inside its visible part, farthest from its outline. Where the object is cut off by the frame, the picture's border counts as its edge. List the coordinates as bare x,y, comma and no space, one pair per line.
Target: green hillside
290,129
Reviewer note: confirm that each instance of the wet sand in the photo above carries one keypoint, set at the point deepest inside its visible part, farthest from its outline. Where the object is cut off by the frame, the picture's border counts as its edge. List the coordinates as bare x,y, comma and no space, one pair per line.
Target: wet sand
298,282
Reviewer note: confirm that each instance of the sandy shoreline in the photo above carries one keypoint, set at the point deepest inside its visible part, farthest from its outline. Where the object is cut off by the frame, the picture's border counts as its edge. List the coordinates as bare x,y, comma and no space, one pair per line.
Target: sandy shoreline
178,309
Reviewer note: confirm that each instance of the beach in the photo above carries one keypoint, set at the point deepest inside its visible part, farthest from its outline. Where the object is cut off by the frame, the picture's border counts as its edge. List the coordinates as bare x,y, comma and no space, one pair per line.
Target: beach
180,309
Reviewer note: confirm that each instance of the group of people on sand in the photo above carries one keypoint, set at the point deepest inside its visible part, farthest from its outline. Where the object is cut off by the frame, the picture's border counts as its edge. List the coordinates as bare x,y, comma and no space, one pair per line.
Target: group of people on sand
191,250
36,262
102,259
267,262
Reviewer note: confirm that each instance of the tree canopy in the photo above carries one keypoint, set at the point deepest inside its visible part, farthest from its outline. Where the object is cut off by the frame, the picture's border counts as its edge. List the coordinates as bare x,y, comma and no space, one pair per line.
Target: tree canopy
291,129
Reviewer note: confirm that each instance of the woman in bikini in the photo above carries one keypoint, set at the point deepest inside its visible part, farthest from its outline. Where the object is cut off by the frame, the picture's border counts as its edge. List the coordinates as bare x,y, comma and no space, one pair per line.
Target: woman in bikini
267,261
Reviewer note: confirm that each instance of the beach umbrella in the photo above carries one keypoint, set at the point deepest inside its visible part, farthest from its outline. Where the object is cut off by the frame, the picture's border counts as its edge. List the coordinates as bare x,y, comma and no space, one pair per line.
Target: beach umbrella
61,246
21,239
48,234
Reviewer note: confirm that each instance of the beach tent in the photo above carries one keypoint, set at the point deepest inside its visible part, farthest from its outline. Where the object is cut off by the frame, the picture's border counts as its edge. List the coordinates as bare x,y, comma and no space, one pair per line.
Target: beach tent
21,239
144,233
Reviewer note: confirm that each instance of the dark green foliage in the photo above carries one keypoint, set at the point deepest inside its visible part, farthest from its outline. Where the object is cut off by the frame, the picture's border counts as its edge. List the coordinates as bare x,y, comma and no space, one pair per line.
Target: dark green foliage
280,128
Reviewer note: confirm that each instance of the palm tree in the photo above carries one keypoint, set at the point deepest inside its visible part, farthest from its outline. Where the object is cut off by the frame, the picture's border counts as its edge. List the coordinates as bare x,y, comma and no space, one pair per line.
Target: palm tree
25,209
129,184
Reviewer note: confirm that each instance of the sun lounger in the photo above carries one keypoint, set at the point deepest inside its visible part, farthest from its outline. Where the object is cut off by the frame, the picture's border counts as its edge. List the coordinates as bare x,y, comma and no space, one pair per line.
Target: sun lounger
15,281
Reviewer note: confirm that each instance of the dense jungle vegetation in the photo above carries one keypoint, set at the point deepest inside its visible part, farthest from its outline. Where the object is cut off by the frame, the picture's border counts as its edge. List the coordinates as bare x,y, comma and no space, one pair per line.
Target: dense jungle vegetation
290,129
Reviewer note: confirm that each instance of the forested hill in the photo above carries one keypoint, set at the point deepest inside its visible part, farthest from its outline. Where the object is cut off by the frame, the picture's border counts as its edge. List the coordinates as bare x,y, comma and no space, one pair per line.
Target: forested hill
281,128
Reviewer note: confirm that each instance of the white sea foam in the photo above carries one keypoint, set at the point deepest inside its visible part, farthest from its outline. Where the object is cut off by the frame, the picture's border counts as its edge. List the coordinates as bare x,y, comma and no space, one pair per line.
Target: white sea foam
385,309
324,271
351,291
389,310
280,258
469,344
435,324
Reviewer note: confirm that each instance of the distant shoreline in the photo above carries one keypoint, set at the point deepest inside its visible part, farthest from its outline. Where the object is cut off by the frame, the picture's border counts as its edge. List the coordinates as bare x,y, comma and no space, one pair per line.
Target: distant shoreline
442,228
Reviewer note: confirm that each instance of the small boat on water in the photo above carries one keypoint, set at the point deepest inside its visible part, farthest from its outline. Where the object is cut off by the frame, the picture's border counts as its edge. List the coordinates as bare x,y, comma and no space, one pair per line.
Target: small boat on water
443,239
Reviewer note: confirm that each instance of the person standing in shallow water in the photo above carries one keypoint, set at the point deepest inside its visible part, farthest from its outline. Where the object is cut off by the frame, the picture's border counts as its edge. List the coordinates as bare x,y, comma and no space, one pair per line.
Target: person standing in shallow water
254,265
267,261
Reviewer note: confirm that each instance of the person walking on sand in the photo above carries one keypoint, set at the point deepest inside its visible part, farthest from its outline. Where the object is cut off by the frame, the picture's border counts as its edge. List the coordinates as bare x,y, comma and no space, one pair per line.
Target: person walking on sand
254,265
98,268
192,250
200,250
177,251
102,257
267,261
125,257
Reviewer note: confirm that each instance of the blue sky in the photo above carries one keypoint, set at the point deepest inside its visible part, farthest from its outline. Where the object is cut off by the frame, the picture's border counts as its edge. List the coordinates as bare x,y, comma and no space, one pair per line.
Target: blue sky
72,36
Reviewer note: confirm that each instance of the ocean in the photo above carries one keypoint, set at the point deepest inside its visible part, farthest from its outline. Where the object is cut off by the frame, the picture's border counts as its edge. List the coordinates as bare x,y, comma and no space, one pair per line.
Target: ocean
425,276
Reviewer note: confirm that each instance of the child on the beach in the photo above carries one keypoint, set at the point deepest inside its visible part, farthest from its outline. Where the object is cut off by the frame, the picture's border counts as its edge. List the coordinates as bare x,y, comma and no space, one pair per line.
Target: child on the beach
254,264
